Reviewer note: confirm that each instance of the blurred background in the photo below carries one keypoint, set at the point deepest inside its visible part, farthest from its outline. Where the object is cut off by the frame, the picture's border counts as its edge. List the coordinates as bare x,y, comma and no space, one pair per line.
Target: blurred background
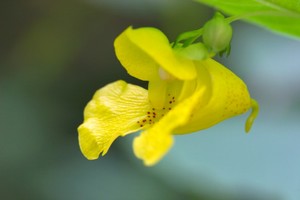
55,54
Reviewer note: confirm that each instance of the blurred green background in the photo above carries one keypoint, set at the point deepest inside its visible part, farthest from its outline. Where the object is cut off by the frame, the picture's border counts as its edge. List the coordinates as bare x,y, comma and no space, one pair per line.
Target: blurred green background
55,54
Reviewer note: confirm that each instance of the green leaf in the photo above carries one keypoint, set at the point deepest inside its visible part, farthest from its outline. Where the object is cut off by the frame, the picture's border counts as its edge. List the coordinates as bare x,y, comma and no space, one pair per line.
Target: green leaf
281,16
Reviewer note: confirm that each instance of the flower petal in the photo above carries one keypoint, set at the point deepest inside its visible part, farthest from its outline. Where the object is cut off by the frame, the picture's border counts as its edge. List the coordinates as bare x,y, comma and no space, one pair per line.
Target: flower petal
115,110
141,51
226,96
152,145
155,142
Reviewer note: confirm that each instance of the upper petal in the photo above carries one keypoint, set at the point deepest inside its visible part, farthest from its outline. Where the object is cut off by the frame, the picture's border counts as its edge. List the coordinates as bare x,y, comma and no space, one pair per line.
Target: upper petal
156,141
114,111
226,96
141,51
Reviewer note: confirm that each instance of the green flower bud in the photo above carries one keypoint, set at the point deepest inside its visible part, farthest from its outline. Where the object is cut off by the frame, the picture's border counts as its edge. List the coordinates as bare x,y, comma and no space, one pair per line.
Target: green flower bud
217,33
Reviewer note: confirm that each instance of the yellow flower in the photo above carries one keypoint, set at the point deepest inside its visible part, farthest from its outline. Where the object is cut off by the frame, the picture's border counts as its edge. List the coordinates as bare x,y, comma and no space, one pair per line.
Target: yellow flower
183,96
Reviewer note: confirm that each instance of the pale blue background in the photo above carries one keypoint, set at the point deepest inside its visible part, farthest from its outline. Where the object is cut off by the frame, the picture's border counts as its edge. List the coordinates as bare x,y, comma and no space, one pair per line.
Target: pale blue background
55,54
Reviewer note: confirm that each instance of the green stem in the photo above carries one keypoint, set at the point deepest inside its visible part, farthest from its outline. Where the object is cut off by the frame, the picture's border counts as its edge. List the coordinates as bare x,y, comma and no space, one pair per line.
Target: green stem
193,39
191,36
